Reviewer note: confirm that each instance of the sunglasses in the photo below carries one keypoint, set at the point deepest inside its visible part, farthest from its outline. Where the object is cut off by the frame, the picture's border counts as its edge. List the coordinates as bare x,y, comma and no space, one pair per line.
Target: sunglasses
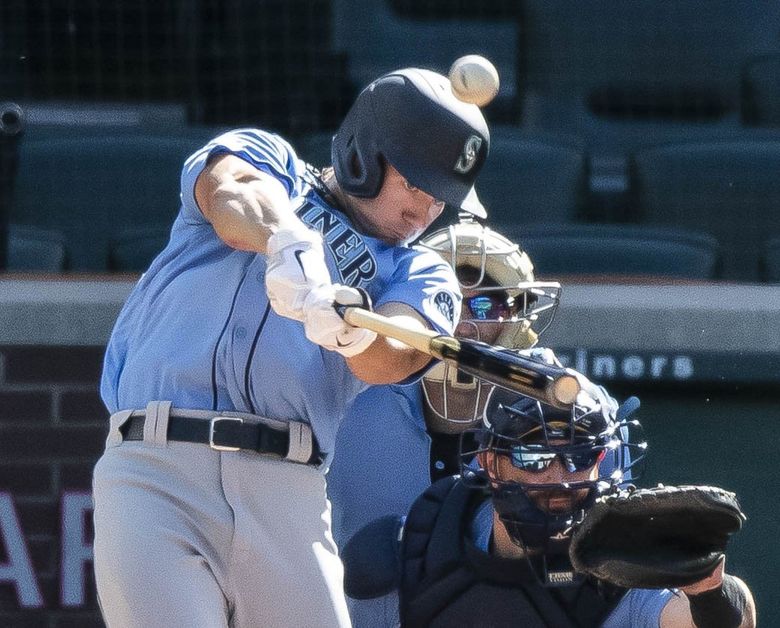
536,458
486,307
496,305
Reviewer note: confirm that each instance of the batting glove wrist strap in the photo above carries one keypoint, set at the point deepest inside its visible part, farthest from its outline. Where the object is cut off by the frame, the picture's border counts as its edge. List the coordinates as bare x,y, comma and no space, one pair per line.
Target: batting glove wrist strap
326,328
295,266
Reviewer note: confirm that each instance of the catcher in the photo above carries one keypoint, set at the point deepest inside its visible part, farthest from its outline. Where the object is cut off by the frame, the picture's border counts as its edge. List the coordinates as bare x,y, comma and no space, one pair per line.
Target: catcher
496,547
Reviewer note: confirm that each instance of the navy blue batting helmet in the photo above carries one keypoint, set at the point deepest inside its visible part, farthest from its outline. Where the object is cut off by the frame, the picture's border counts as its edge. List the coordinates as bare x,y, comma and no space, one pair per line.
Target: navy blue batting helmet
410,119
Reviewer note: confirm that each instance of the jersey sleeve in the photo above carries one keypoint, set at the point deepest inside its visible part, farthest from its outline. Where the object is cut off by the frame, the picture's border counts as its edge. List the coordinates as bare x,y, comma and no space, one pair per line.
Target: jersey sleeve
639,608
263,150
428,284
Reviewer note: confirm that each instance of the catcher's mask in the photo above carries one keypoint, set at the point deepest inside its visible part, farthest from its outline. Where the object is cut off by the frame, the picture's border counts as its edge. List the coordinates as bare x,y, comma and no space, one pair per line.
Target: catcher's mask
593,444
497,280
410,119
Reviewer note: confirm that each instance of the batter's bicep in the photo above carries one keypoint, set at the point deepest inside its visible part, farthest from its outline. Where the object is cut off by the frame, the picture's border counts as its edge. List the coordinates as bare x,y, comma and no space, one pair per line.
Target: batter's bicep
388,361
243,204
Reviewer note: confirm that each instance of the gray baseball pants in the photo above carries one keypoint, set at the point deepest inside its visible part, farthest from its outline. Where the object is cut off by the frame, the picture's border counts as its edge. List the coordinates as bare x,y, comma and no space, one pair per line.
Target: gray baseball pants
186,536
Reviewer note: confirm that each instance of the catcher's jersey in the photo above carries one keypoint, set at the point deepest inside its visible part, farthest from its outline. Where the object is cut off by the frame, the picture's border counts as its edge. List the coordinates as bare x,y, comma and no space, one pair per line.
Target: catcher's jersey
198,330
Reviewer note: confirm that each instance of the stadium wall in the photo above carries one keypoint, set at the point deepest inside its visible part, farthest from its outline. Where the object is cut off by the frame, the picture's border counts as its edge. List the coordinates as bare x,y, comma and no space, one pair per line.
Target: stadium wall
704,359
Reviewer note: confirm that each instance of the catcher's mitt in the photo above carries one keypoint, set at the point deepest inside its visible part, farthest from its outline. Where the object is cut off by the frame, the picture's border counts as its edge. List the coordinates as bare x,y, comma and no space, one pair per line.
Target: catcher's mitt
657,537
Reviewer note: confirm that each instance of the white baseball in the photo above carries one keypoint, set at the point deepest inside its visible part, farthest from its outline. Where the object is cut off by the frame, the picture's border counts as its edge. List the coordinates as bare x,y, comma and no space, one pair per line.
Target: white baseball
474,80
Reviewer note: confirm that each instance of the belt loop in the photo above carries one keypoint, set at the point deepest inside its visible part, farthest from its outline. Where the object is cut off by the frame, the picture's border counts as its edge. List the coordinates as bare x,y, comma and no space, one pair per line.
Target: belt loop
156,423
117,420
301,442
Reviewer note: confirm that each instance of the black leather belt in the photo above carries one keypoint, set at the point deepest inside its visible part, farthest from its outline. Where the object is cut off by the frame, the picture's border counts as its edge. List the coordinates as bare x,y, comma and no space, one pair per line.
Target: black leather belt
223,434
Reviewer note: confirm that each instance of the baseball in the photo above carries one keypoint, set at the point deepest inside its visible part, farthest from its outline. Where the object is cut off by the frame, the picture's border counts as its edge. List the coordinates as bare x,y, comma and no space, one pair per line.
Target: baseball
474,80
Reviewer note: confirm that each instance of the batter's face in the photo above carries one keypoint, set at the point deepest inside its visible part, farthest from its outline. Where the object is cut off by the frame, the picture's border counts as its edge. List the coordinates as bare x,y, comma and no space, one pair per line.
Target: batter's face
399,213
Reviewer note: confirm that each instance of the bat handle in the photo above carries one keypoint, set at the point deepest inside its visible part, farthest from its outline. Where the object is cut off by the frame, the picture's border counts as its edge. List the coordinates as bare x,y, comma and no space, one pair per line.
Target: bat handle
417,338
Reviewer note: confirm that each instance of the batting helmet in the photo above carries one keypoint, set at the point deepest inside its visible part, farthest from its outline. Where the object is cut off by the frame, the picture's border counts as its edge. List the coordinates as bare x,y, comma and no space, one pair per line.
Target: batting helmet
411,119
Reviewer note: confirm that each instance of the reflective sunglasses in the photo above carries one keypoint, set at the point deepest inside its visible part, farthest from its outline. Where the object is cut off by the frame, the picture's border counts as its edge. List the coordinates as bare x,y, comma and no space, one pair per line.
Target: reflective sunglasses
497,305
535,458
489,306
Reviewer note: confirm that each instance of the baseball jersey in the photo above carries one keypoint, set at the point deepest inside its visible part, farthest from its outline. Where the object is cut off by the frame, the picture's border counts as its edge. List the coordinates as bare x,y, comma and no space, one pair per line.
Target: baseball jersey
198,330
381,462
639,608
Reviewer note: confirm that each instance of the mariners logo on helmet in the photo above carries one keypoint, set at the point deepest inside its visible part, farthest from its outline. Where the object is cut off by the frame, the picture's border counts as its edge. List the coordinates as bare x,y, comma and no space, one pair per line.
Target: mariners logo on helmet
443,301
468,157
411,120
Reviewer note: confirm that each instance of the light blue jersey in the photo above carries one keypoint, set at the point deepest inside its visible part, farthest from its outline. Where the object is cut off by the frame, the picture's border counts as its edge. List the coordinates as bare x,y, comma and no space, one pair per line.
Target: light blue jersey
198,330
382,458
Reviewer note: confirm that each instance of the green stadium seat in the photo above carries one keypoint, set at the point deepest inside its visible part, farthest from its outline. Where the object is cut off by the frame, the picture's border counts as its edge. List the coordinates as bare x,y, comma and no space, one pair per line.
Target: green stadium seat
399,33
531,178
617,250
33,249
90,187
731,190
592,62
133,249
761,91
770,261
314,148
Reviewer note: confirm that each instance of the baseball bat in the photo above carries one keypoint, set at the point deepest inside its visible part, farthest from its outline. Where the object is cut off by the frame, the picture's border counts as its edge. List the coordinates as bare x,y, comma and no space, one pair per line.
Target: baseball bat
553,385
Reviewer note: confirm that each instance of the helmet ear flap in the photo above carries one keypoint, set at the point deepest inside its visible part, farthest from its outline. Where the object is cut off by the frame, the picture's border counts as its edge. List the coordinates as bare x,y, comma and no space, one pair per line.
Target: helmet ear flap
359,167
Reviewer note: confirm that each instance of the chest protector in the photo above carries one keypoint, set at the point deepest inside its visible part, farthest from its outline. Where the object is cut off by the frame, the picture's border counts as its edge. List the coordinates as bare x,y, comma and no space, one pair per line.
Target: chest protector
447,581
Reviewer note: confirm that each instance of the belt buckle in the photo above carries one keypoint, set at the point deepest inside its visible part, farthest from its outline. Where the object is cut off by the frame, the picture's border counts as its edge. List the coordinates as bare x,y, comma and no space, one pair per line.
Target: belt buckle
212,426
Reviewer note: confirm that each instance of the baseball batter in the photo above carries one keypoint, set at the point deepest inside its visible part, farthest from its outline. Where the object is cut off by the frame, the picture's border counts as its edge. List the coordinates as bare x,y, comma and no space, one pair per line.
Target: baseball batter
228,370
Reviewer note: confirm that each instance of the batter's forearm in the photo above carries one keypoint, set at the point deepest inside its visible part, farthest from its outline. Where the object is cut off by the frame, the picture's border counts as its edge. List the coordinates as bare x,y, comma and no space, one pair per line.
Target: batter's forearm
389,361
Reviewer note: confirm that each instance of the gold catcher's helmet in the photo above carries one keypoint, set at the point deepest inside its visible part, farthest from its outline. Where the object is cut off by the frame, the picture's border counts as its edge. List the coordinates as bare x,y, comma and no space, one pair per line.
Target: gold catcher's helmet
497,279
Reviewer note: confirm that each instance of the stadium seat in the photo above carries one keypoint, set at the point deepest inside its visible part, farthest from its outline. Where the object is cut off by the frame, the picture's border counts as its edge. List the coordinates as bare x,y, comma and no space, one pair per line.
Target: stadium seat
133,249
314,148
761,91
617,250
33,249
91,187
530,178
592,62
396,34
770,261
728,189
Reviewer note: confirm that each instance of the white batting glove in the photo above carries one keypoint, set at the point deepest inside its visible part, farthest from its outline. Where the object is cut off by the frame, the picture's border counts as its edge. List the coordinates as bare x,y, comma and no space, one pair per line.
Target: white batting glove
589,394
542,354
296,265
326,328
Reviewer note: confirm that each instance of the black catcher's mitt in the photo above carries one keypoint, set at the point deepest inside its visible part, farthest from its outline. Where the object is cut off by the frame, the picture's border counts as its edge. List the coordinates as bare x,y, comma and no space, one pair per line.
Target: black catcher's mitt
667,536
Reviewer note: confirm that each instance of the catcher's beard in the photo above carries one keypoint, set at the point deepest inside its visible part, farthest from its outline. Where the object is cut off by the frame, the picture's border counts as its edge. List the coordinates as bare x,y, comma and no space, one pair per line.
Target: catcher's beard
559,502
